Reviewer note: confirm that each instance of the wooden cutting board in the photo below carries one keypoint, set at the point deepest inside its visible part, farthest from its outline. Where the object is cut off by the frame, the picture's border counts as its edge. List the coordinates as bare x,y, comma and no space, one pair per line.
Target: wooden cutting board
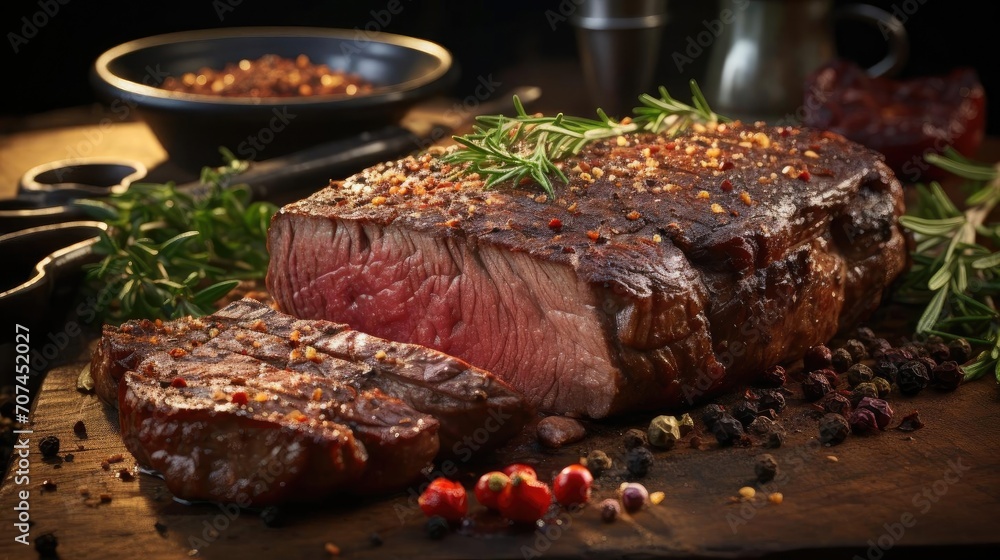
936,487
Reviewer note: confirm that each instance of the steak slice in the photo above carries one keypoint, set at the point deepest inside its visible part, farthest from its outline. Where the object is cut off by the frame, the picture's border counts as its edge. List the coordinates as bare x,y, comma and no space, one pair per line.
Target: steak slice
227,427
664,272
476,411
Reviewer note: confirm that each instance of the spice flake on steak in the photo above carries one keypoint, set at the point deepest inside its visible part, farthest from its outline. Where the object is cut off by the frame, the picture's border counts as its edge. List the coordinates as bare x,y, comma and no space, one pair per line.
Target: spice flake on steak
677,267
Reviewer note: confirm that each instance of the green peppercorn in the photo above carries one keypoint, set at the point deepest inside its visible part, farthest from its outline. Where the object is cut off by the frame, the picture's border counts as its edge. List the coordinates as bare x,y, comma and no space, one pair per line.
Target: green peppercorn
663,432
883,386
859,373
863,390
598,462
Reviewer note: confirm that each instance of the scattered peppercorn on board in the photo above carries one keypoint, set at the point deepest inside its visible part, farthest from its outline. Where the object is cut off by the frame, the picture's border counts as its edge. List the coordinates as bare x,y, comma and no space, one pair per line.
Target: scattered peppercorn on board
936,486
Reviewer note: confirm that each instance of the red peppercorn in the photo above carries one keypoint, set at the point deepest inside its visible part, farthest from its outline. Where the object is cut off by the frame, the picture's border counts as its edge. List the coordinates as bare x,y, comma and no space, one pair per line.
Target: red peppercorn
572,485
445,498
178,382
555,224
489,488
525,499
239,398
726,185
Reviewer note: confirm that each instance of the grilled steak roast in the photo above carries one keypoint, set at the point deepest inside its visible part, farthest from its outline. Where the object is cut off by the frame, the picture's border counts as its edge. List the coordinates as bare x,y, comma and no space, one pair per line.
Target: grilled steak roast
218,403
665,271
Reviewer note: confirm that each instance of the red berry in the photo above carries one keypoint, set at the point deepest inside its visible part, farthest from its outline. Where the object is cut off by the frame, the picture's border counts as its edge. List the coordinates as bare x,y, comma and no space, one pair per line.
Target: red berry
489,488
572,485
446,498
514,468
525,499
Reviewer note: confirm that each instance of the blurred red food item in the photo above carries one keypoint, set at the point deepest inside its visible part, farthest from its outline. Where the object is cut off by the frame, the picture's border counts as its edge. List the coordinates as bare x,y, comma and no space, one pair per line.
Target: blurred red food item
903,119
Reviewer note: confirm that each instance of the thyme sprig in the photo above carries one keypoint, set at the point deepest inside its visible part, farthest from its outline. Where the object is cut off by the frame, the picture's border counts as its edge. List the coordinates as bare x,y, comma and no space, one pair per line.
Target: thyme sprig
170,252
955,270
508,150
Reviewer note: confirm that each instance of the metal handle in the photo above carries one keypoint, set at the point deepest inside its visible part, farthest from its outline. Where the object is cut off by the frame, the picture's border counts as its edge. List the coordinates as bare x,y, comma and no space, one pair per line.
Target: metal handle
892,30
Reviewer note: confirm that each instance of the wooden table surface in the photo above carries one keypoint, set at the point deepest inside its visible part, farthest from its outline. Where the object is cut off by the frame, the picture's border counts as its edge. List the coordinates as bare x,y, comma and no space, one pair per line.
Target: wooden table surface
922,492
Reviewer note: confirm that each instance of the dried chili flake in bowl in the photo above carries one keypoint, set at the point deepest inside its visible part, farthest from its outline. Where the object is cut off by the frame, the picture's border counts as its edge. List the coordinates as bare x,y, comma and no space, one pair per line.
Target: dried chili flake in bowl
269,76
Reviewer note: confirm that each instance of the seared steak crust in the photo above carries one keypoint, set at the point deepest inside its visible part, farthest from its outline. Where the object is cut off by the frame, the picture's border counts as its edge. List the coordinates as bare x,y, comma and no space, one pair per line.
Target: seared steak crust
663,272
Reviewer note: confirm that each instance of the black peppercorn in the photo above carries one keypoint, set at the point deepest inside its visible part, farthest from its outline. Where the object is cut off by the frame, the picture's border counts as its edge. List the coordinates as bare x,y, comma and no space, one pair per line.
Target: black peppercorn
865,335
745,411
436,527
46,544
883,386
960,350
863,421
859,373
272,516
929,362
638,460
947,376
773,376
939,351
711,414
885,369
761,425
634,437
49,446
728,430
917,350
881,409
766,468
878,348
769,399
911,422
835,403
898,356
841,360
912,377
863,390
774,439
816,357
833,428
80,429
856,349
815,385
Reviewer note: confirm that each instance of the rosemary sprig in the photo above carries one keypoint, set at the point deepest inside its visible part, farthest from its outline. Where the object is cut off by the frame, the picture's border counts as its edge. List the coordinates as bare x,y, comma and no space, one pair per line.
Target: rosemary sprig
510,149
959,275
170,253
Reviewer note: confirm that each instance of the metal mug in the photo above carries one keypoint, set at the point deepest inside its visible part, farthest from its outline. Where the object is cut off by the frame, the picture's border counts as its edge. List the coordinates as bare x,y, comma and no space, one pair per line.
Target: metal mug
619,42
766,49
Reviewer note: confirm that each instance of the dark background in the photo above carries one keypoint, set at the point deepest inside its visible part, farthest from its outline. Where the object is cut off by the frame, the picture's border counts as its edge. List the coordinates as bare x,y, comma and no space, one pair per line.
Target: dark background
50,71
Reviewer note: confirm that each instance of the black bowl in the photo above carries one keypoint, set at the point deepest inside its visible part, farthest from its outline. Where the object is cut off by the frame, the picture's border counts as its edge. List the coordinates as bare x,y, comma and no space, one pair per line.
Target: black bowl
192,127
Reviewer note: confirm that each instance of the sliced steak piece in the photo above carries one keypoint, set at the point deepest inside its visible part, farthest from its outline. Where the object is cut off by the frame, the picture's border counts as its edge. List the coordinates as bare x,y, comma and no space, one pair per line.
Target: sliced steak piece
477,412
207,420
666,271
